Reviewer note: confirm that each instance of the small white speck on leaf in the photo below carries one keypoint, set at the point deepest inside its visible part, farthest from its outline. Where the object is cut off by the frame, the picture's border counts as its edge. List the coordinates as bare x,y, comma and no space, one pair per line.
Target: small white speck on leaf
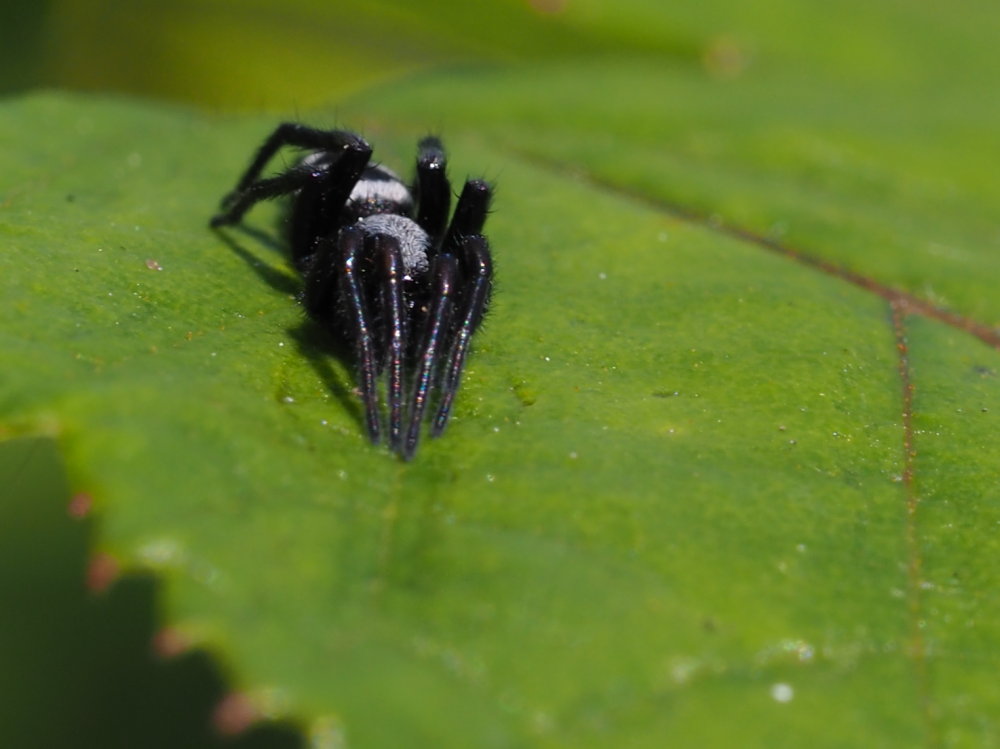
782,692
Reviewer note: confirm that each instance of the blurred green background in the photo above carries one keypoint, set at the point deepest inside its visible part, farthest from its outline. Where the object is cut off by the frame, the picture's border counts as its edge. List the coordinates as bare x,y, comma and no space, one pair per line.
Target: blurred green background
298,54
261,54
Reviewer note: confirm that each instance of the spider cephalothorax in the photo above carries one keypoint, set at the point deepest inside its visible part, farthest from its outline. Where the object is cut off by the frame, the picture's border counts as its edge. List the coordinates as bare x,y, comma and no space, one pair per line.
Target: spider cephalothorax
382,266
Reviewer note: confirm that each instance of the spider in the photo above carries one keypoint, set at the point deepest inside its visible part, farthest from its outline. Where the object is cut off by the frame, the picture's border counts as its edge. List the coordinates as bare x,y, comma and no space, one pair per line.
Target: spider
383,268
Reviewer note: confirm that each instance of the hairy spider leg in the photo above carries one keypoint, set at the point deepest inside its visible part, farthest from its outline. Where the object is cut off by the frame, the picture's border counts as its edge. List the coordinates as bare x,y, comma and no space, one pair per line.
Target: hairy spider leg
432,188
390,264
272,187
477,270
298,136
352,242
317,211
470,213
444,269
319,276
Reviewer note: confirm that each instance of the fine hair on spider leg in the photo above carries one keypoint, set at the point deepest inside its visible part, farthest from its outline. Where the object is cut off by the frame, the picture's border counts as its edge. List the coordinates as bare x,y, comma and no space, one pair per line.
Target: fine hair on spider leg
384,267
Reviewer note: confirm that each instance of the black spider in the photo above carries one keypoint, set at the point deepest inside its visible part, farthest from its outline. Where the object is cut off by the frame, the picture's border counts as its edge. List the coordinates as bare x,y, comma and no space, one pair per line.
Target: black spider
382,266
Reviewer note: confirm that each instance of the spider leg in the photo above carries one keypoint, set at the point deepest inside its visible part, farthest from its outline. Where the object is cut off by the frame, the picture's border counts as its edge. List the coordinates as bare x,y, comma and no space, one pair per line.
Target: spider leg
299,136
316,210
334,184
445,272
432,189
290,181
390,262
319,280
477,267
351,244
470,213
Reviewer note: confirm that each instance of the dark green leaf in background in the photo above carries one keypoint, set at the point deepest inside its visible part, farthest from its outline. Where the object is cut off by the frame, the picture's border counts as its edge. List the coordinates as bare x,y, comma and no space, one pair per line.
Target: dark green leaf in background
696,492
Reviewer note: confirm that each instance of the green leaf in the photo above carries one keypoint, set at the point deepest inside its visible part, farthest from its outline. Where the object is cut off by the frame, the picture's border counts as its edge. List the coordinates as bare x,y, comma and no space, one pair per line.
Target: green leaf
79,668
726,442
